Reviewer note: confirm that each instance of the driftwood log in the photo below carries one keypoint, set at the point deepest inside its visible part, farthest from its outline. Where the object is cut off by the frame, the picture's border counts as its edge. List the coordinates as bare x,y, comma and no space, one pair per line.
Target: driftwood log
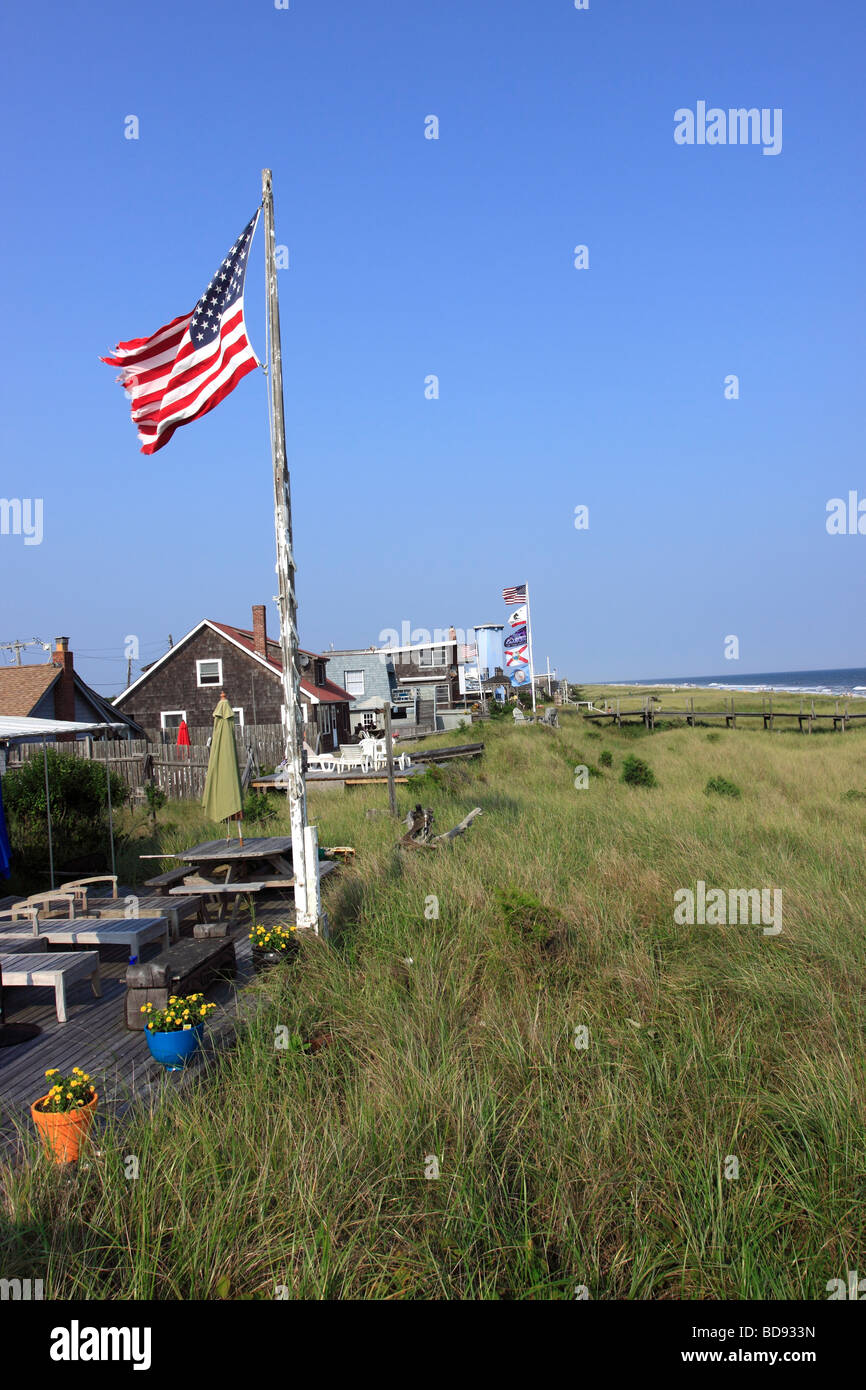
420,832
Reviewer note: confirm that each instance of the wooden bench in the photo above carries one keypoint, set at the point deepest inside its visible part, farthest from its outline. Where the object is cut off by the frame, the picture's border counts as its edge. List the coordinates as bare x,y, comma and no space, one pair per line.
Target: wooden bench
53,971
186,968
164,882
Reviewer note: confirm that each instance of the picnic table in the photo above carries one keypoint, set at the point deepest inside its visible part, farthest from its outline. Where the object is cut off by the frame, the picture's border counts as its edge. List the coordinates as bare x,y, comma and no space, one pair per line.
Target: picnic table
247,860
246,867
262,862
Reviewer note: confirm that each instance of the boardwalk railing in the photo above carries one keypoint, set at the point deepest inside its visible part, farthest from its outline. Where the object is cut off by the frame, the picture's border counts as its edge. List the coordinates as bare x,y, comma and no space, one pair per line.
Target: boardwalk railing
651,711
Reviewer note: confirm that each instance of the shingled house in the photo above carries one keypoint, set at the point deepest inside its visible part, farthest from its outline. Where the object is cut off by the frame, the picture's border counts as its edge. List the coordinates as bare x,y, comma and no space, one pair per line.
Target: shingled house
421,682
185,683
54,690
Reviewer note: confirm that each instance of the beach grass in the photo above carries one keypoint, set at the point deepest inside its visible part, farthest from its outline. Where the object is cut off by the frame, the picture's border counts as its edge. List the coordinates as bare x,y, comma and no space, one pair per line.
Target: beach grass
612,1101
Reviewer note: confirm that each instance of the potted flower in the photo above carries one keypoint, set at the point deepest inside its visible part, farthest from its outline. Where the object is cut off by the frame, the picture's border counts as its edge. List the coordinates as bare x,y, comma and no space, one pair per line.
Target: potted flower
175,1032
272,944
63,1116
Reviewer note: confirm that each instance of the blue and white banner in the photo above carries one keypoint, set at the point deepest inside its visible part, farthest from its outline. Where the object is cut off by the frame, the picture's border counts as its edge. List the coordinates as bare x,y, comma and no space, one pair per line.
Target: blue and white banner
517,638
520,676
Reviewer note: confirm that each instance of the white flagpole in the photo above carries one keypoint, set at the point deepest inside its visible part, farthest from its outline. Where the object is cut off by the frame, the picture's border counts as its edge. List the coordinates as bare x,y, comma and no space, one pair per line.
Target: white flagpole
529,635
305,860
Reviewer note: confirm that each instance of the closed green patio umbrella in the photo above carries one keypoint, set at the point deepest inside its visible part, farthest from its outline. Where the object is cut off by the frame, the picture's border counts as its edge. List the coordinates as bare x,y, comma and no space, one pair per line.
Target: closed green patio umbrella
223,799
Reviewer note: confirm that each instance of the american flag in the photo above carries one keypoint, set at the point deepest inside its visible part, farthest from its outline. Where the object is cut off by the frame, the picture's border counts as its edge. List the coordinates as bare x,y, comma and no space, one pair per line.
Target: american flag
188,366
516,594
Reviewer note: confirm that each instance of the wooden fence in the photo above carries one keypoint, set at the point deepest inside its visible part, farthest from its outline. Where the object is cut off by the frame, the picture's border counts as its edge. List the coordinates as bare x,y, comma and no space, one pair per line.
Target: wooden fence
179,772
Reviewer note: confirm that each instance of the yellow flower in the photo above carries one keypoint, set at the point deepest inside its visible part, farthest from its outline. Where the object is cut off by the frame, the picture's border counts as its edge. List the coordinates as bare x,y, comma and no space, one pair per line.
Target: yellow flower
52,1071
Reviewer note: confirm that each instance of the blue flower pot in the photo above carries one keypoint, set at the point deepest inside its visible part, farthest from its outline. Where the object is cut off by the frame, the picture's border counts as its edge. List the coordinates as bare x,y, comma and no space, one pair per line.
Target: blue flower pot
174,1050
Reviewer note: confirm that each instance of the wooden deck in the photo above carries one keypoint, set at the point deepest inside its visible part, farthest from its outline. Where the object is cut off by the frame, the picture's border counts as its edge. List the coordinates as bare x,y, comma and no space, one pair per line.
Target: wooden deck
353,777
96,1039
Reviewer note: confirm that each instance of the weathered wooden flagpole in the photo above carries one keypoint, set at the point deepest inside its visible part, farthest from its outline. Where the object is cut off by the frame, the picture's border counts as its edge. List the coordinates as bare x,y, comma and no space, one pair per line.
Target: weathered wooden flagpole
305,850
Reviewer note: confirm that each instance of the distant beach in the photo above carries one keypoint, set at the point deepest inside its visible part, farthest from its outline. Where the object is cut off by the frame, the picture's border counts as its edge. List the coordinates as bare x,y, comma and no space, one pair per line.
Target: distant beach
849,681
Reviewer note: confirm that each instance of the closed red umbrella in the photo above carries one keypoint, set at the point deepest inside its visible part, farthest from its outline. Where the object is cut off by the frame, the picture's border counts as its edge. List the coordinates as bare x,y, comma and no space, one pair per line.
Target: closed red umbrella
182,735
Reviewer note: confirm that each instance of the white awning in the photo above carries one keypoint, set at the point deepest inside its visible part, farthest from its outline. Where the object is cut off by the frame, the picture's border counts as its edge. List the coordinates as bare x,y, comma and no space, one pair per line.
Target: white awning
12,727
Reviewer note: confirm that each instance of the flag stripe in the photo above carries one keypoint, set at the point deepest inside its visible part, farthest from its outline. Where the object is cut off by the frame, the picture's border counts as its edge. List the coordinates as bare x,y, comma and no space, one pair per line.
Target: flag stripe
515,594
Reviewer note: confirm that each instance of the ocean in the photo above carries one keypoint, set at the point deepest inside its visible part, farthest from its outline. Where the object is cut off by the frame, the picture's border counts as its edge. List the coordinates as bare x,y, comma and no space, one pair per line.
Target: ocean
848,681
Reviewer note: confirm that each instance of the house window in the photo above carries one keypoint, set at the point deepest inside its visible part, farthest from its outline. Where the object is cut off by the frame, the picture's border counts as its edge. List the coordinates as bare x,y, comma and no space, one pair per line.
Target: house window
238,712
353,681
369,719
443,694
325,718
209,672
431,656
320,673
170,718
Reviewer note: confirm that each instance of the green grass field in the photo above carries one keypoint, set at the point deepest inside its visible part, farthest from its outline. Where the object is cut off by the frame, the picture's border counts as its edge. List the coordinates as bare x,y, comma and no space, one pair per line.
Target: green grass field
708,1050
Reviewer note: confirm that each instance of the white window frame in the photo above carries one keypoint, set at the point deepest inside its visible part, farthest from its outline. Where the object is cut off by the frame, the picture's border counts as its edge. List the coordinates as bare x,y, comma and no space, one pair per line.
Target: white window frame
326,723
238,712
355,694
369,718
427,656
164,713
208,661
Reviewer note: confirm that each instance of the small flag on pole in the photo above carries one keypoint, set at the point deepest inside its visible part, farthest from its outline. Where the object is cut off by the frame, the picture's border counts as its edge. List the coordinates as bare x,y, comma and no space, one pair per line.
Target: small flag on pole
188,366
516,594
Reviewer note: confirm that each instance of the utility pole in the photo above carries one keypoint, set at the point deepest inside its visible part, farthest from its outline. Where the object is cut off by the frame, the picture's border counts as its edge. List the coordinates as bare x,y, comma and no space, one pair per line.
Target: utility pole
548,678
305,849
18,647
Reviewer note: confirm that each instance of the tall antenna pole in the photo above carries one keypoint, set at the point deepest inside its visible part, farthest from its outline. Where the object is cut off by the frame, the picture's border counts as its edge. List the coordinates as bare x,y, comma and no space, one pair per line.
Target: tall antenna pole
305,858
529,635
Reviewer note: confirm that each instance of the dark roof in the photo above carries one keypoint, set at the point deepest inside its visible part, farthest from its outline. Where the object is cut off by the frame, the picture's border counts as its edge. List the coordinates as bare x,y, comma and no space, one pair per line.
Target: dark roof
329,693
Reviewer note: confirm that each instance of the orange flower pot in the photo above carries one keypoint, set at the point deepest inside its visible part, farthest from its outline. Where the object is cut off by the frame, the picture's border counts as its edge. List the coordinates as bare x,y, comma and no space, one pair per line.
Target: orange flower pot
62,1135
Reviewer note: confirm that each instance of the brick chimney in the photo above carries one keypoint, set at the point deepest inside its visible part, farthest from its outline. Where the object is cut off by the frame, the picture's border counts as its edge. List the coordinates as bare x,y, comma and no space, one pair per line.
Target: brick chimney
260,630
64,689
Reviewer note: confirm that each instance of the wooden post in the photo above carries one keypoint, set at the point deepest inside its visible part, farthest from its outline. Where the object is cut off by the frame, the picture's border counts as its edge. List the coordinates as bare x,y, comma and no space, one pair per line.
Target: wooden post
308,905
389,756
48,812
110,811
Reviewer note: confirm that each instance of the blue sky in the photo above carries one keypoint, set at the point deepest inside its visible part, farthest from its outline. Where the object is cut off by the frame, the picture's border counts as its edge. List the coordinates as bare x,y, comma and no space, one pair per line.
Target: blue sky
559,387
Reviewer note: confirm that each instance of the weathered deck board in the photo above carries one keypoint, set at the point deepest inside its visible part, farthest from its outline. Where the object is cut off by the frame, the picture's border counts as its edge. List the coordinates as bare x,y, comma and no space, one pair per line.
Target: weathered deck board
96,1038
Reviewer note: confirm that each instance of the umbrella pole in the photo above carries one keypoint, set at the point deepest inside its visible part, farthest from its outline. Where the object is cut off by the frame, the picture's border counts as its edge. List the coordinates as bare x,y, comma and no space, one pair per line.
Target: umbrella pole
48,813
